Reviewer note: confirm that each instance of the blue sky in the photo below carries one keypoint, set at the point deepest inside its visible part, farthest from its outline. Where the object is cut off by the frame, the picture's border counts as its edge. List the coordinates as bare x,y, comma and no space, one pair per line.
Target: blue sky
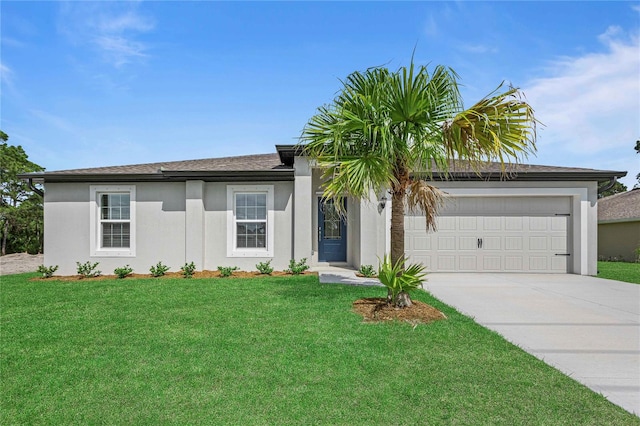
89,84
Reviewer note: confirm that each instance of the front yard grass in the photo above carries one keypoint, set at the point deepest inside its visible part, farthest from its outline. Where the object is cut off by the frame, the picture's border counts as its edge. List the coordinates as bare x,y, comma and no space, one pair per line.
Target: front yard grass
280,350
620,271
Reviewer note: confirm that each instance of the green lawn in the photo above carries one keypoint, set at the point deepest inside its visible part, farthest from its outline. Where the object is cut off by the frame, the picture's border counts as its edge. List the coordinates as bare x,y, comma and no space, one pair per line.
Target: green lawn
262,351
621,271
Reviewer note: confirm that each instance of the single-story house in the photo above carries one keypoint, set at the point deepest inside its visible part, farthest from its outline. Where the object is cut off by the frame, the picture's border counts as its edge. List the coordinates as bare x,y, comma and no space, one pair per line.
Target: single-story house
619,226
239,211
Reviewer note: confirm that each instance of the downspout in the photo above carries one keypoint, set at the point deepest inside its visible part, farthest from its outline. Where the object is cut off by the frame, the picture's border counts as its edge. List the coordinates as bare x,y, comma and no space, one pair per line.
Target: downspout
608,186
34,189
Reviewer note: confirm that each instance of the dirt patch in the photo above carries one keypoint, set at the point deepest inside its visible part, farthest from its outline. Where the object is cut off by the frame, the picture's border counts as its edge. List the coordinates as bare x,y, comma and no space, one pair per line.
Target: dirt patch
18,263
377,309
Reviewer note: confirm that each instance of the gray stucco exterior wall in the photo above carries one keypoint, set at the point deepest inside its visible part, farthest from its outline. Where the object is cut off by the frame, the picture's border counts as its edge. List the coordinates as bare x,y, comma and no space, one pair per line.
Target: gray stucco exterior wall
175,223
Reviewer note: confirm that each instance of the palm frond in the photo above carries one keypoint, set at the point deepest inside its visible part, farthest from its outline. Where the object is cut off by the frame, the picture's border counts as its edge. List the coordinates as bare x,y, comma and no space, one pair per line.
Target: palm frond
426,199
501,127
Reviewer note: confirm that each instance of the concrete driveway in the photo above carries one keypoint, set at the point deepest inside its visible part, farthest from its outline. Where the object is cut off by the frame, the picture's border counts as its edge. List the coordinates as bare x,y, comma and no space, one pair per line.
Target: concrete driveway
586,327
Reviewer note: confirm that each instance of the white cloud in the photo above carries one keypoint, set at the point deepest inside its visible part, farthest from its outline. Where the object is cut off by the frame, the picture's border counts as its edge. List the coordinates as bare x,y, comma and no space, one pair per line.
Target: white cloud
113,28
431,28
5,71
478,48
590,105
6,76
54,121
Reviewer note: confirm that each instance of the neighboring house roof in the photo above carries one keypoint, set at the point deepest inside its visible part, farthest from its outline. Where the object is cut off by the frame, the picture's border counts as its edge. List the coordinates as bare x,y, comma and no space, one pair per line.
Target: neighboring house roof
279,166
620,207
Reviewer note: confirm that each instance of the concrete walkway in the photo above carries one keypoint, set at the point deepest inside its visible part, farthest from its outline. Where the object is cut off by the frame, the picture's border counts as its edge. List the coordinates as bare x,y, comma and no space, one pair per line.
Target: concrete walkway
586,327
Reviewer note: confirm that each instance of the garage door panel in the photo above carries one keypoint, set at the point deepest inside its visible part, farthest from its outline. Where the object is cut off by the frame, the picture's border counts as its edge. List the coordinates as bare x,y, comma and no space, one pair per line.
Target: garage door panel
559,264
559,244
559,223
517,234
492,243
424,260
538,223
420,243
447,263
492,263
468,224
513,223
513,263
513,243
538,243
468,263
446,243
492,223
446,223
467,243
538,263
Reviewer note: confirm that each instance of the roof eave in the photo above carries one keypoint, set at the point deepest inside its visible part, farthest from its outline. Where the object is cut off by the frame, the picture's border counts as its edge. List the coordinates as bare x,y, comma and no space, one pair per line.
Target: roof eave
621,220
164,176
598,176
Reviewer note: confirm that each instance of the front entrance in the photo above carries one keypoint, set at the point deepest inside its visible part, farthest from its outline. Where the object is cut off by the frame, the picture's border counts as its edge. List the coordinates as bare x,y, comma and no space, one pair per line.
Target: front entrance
332,233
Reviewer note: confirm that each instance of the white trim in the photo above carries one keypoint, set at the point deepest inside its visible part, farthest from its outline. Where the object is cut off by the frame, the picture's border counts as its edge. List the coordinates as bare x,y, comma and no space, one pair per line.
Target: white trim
232,250
94,221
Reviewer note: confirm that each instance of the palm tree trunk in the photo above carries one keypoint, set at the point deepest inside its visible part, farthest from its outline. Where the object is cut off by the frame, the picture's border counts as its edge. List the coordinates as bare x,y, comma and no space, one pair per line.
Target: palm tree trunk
397,226
403,300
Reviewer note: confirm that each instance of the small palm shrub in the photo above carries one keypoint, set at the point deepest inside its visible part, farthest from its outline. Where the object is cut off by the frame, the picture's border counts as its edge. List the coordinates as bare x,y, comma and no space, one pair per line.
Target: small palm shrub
265,268
297,268
158,270
400,280
367,271
88,269
188,269
47,271
227,271
123,271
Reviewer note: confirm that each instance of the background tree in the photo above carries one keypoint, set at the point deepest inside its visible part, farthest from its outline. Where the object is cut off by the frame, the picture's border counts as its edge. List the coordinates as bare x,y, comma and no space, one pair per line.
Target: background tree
21,212
616,188
385,131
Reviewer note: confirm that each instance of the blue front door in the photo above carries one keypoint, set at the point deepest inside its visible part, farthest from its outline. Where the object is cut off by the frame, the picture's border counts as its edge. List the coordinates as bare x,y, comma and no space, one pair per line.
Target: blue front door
332,233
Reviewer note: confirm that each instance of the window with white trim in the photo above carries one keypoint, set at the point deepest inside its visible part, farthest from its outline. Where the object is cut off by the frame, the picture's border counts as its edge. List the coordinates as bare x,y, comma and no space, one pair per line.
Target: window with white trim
250,221
113,220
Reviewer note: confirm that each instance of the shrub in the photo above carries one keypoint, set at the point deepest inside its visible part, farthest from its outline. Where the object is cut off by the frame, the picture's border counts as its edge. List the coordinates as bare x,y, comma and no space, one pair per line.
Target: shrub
400,280
158,270
188,269
227,271
265,268
88,269
47,271
367,271
123,271
297,268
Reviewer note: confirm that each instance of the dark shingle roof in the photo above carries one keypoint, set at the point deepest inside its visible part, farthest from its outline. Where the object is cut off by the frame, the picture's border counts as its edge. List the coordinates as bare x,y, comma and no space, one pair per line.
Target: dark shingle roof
621,207
279,166
260,162
239,168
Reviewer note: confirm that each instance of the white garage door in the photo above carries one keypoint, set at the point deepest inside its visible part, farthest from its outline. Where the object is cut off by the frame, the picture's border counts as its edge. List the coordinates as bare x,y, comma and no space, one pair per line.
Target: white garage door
494,234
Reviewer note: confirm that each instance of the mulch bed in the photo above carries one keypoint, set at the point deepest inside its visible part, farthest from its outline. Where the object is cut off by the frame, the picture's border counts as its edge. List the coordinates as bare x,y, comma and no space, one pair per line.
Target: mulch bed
376,309
198,274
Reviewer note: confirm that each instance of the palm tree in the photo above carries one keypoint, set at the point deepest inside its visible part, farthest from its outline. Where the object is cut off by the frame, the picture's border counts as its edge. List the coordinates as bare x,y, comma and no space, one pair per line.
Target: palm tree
388,131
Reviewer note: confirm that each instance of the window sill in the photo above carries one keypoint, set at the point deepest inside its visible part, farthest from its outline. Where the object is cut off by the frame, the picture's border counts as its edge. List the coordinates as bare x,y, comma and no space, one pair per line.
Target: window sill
112,253
251,253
